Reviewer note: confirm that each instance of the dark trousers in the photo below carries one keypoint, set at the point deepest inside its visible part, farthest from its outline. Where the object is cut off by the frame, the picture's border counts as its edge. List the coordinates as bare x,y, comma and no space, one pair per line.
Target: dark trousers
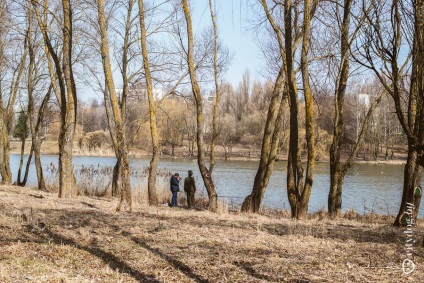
174,199
190,199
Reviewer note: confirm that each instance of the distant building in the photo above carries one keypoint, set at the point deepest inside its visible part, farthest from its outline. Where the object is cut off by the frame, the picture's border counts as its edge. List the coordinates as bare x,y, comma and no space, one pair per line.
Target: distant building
139,91
364,99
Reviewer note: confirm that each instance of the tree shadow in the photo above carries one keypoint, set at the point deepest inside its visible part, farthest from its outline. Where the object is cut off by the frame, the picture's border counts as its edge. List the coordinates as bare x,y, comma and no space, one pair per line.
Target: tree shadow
179,265
384,234
247,266
108,258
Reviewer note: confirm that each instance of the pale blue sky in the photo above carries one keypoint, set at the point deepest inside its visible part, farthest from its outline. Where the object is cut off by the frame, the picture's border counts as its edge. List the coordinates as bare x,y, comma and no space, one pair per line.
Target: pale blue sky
233,27
232,17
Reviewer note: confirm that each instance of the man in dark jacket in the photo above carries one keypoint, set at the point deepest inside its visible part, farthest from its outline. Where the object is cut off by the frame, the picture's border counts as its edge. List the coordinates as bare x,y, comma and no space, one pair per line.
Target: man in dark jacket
175,188
190,189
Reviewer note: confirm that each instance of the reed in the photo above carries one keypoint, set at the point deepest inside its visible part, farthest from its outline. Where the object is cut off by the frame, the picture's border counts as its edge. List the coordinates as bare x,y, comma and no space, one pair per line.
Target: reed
97,181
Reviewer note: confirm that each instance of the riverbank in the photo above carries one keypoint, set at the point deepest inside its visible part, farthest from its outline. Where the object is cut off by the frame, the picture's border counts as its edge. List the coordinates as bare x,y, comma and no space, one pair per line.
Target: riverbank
46,239
238,153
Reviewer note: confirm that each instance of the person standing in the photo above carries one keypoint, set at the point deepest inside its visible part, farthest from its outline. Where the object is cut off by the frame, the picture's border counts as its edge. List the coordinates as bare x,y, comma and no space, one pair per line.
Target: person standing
190,189
175,188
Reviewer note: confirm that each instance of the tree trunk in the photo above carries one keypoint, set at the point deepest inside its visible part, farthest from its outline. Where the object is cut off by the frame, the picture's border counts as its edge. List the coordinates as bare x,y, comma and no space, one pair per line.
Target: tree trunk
120,147
206,175
217,89
411,180
412,190
125,182
116,185
337,174
152,111
38,166
6,173
36,137
6,116
309,114
269,148
28,163
386,154
67,182
67,93
293,168
21,162
35,128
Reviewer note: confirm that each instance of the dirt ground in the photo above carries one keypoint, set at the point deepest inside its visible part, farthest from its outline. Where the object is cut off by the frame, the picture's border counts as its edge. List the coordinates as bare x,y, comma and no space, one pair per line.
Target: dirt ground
46,239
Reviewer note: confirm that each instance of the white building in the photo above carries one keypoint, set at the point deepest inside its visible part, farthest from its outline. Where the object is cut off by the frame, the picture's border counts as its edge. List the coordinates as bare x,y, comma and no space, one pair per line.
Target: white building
141,92
364,99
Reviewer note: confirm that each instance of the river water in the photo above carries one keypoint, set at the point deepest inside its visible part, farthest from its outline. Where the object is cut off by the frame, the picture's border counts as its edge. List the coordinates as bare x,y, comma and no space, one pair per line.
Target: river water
367,187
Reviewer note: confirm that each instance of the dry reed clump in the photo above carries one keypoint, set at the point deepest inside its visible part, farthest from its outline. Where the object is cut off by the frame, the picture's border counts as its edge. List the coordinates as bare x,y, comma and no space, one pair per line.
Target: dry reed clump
97,181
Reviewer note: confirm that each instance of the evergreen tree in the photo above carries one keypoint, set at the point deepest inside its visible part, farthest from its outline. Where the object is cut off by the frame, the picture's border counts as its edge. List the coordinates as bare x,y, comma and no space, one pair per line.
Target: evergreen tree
21,128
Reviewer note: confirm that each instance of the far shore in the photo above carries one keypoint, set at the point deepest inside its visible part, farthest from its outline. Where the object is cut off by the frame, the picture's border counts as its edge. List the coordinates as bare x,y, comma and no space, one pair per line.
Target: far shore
238,153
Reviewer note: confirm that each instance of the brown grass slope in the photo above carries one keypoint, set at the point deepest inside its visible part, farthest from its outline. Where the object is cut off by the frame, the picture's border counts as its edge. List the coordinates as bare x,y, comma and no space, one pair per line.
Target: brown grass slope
46,239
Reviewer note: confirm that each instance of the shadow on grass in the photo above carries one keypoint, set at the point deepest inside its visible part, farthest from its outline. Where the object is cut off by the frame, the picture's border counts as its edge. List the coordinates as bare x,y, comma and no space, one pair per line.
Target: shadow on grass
247,266
108,258
179,265
381,234
384,234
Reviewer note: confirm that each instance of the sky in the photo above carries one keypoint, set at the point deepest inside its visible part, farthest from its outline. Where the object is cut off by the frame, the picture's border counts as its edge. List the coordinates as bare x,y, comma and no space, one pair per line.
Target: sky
233,28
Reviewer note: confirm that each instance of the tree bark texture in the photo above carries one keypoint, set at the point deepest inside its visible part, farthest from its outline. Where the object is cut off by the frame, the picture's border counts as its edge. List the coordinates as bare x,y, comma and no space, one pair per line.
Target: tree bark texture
337,173
206,175
67,182
271,137
309,114
154,162
121,147
6,116
412,190
65,90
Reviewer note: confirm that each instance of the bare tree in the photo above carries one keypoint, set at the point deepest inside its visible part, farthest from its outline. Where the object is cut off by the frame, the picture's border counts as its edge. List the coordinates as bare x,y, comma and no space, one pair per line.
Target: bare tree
272,131
34,76
384,34
298,189
120,145
205,172
338,169
216,75
152,109
63,74
304,195
8,97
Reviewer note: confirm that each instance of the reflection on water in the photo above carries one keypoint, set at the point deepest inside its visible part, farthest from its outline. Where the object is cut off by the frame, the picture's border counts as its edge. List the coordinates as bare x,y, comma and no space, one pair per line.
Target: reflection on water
367,187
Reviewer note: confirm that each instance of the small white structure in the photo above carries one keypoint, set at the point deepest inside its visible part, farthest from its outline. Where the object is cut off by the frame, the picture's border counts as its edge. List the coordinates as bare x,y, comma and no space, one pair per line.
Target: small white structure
364,99
141,92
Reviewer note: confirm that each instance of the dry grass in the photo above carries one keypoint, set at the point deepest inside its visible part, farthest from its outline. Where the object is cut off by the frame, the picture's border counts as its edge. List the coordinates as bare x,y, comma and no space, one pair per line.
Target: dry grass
46,239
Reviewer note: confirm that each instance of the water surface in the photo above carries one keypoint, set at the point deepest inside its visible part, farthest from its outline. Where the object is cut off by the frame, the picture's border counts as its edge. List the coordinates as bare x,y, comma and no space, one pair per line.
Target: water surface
367,188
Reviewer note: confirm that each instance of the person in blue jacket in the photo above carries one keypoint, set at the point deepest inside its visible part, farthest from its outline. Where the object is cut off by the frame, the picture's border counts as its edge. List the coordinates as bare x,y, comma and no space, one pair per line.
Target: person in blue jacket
175,188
